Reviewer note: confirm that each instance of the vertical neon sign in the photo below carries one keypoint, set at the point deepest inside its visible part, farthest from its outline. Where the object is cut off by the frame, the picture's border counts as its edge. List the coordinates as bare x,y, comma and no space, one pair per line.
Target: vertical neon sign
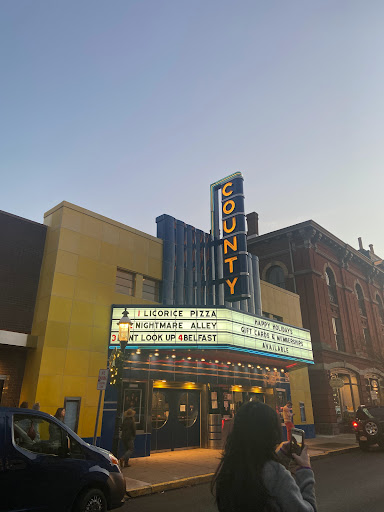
235,274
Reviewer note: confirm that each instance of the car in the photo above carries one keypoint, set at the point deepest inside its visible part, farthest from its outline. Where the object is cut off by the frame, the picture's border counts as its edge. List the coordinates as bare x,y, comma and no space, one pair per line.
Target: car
369,426
44,465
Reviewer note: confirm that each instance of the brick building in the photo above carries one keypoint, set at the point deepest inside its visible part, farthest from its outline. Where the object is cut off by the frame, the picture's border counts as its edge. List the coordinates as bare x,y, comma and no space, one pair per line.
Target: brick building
21,253
342,295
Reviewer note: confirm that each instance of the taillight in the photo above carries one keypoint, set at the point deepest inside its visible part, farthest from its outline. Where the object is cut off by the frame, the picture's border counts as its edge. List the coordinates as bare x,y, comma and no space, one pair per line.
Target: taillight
355,424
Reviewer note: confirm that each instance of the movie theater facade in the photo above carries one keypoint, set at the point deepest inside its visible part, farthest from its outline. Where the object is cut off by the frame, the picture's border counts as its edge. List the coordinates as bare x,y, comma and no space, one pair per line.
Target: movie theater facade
219,338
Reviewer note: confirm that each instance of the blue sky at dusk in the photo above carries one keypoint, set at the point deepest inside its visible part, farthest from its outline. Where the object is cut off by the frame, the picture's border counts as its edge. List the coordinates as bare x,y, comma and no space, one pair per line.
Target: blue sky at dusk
133,108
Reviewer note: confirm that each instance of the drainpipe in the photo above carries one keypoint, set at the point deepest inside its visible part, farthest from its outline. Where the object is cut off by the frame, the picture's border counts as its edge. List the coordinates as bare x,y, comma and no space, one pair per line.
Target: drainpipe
292,266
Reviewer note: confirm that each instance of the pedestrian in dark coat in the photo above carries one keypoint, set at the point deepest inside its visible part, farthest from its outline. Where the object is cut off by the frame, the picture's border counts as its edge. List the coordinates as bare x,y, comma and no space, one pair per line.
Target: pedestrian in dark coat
128,434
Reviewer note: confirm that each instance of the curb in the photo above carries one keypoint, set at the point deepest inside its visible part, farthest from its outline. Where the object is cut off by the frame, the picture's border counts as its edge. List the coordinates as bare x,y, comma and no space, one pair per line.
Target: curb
338,451
202,479
167,486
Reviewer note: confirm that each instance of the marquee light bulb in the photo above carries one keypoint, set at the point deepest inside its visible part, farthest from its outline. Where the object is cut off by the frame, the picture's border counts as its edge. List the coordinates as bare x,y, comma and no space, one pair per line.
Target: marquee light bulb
189,358
173,356
216,361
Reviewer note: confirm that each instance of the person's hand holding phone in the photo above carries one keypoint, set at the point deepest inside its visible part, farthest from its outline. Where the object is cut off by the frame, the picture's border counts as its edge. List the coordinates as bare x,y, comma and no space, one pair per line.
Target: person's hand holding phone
303,459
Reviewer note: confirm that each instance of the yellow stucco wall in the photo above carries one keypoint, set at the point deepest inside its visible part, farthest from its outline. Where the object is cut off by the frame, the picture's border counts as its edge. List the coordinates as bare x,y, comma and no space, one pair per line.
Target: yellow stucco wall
282,303
286,304
73,308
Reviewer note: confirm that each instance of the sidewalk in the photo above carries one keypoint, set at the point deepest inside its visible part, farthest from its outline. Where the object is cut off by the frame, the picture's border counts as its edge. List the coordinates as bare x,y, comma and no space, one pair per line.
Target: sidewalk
171,470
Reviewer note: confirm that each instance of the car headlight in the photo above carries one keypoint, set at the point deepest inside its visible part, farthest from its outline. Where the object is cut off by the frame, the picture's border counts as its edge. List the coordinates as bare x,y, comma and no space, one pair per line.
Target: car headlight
113,459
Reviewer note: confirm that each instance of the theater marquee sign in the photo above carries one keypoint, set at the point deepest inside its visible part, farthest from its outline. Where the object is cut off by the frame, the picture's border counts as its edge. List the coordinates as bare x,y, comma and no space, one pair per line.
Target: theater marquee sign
212,327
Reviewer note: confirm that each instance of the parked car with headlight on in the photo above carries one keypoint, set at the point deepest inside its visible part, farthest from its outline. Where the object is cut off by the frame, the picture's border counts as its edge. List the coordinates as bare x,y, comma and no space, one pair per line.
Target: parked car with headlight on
369,426
44,465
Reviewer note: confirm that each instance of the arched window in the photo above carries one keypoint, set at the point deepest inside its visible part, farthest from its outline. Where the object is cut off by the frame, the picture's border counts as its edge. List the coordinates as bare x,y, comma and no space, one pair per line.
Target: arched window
331,283
381,309
346,396
275,275
360,300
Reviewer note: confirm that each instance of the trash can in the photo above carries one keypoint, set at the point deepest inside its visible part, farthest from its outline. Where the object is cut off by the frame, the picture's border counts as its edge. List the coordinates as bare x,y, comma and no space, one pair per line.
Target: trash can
214,431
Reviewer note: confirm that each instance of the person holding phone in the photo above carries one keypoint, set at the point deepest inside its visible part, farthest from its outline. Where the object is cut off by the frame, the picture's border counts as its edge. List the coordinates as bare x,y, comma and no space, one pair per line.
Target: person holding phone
251,475
288,419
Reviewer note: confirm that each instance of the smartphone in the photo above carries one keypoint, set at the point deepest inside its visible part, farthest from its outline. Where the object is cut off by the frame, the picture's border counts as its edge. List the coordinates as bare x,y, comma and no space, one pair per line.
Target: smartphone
297,440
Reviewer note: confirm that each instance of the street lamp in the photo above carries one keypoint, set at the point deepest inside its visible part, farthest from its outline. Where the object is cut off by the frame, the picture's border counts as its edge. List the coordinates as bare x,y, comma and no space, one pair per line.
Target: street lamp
124,331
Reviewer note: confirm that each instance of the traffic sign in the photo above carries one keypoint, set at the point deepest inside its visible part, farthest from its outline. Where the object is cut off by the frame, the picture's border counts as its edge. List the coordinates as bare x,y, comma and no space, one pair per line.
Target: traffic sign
102,380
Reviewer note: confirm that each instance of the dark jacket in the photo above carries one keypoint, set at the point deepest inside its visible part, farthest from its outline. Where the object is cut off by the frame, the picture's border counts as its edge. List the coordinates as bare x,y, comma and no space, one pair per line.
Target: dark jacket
128,430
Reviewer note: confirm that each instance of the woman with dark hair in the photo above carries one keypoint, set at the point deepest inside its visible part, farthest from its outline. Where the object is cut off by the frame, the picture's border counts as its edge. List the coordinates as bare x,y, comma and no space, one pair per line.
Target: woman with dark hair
250,477
54,430
60,414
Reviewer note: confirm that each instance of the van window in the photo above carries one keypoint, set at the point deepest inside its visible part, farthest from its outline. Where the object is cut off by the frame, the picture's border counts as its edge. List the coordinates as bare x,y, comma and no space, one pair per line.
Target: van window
37,434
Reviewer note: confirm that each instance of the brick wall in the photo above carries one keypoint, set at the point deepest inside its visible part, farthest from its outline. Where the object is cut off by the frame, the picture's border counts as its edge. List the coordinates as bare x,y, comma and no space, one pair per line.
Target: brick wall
305,254
12,362
21,253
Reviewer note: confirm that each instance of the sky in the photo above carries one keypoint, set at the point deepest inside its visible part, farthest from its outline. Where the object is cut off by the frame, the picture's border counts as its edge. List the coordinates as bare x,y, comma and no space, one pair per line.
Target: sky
133,108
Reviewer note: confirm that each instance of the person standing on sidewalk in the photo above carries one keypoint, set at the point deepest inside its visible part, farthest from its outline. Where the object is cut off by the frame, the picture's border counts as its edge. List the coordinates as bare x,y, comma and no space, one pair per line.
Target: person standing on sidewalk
288,419
128,434
251,476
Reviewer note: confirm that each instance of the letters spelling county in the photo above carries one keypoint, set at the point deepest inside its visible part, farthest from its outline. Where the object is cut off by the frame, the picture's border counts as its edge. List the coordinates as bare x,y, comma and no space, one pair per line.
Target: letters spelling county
227,209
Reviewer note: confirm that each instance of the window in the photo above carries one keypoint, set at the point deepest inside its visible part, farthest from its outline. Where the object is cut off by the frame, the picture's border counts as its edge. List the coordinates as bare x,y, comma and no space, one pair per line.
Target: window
338,333
150,289
331,283
360,300
160,410
72,412
272,316
380,306
37,435
346,398
125,282
275,275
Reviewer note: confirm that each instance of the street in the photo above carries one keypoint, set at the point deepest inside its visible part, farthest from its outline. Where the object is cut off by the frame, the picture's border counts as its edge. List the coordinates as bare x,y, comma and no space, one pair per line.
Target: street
352,482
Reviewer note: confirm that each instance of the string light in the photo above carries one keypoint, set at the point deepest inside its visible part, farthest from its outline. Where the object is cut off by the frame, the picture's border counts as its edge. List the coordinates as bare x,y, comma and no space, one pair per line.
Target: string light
258,367
202,359
216,361
189,358
173,356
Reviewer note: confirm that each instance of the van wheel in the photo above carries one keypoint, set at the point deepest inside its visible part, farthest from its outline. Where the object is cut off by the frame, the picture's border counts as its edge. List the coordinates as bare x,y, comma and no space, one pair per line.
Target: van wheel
91,500
364,445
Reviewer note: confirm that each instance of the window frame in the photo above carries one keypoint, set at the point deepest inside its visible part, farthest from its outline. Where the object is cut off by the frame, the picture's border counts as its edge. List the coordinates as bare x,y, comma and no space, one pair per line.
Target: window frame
380,307
156,288
361,300
38,419
278,283
122,287
73,399
331,285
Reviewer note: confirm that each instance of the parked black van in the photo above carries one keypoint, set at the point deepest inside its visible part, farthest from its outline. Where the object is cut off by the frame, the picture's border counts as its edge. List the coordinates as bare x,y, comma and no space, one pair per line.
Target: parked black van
44,465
